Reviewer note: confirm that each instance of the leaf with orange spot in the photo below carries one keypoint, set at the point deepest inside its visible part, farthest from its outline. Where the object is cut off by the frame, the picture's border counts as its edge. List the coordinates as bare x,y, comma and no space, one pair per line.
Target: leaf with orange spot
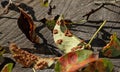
25,23
112,49
73,61
64,39
100,65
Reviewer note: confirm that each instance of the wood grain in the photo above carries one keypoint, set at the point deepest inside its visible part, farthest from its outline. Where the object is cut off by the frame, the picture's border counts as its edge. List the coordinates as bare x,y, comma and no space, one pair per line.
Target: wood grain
71,9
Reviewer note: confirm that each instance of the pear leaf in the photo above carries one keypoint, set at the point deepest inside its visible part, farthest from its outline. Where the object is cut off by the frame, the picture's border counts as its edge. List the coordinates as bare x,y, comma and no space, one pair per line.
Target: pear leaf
112,49
73,61
64,39
7,68
26,25
100,65
28,59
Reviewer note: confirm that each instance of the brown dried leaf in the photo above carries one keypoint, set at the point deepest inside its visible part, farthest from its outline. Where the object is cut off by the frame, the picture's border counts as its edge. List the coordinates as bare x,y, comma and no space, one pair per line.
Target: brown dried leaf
28,59
25,23
21,56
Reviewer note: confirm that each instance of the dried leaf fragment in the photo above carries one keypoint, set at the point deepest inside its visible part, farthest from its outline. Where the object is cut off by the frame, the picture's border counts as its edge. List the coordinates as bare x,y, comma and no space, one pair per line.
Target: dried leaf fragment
100,65
112,49
7,68
25,58
25,23
28,59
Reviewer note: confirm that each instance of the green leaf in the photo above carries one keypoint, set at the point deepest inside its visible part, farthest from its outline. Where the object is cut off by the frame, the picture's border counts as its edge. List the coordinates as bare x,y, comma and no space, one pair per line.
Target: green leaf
64,39
112,49
100,65
45,3
73,61
50,24
7,68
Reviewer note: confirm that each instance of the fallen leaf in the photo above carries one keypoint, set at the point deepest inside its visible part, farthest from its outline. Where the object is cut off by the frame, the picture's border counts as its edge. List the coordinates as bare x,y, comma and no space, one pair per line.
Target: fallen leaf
73,61
100,65
64,39
112,49
7,68
28,59
25,23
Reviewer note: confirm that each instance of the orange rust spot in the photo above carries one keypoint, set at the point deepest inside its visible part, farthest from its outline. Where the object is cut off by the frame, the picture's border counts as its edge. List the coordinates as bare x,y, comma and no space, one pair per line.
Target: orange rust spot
76,48
55,31
108,53
59,41
58,23
68,33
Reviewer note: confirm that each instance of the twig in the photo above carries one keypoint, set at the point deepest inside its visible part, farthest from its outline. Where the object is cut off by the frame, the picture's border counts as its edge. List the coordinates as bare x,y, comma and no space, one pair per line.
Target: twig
33,70
6,9
96,32
101,3
93,11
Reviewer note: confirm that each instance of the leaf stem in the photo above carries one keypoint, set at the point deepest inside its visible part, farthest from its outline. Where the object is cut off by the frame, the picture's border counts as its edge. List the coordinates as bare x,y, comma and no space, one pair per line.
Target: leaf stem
96,32
33,70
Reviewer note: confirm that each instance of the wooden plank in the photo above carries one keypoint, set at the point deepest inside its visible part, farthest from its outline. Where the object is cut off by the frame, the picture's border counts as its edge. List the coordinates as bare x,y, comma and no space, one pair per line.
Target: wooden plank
71,9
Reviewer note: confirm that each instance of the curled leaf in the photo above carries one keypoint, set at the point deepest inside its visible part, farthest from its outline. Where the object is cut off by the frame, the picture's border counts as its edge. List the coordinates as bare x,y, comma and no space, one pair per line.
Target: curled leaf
112,49
64,39
28,59
27,26
25,58
100,65
7,68
73,61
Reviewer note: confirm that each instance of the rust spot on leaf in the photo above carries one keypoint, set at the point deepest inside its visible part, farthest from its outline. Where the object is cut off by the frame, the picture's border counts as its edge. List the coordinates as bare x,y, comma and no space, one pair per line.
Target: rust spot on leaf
59,41
58,23
68,33
41,64
76,48
55,31
72,57
108,53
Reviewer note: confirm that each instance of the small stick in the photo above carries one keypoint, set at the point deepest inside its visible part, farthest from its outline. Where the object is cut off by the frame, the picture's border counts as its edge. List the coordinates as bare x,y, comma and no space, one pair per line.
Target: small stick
96,32
33,70
93,11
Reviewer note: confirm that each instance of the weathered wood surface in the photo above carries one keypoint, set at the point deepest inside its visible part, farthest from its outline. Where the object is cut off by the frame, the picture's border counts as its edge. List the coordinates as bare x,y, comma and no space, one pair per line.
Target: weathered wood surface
71,9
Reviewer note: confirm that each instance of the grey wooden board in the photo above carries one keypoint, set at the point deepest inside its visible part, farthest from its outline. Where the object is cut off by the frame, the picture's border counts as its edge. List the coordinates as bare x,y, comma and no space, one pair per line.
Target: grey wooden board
71,9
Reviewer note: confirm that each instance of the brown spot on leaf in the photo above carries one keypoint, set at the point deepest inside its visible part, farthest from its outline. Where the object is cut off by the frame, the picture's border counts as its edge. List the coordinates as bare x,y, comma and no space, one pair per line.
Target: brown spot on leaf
55,31
76,48
108,53
68,33
41,64
59,41
58,23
